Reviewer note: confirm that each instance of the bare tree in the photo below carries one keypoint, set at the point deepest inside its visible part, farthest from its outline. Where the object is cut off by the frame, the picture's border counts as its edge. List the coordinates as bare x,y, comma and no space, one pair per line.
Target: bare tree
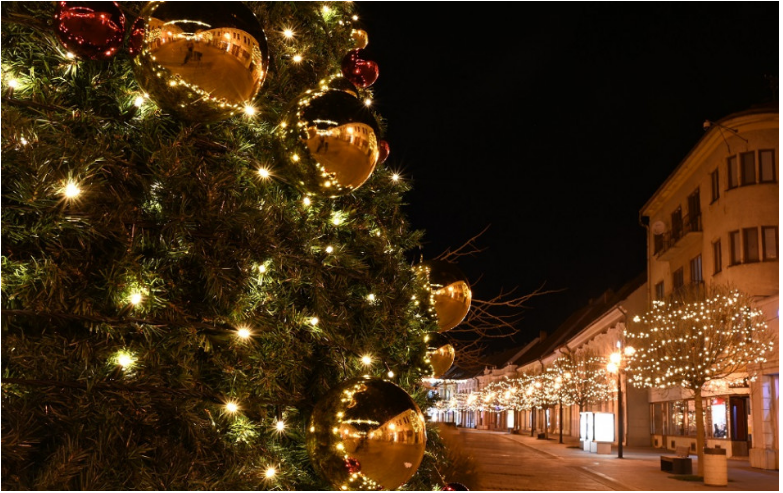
701,334
493,318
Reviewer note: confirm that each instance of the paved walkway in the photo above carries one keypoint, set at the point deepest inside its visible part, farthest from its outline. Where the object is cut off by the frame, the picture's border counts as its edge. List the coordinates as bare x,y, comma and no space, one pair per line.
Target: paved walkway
520,462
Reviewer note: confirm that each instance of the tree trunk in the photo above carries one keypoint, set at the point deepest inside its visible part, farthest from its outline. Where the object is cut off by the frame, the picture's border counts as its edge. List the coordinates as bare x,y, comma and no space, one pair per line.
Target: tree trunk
699,430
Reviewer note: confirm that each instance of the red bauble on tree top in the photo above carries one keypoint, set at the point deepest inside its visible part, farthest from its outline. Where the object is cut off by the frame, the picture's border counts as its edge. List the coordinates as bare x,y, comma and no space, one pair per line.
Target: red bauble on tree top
92,30
359,68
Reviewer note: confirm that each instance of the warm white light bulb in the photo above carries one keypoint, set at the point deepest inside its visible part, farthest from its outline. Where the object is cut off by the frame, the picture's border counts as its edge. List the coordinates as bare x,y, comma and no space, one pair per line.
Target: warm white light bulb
368,102
390,374
243,333
270,473
288,33
314,321
366,360
280,425
329,249
297,58
232,407
262,268
138,101
125,360
13,83
135,298
306,201
370,297
615,358
395,177
264,173
70,56
71,190
249,110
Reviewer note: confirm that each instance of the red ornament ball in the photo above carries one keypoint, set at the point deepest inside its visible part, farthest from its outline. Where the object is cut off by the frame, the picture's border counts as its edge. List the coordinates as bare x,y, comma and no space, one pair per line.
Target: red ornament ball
353,465
359,68
91,30
455,487
383,151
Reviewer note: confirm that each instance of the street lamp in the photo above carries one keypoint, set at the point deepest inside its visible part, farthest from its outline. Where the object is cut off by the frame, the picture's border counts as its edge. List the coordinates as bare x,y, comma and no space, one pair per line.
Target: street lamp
617,363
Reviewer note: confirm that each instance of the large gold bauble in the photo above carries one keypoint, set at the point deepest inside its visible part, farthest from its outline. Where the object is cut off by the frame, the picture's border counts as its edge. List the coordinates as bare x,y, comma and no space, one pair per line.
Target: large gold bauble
450,292
441,360
201,61
366,434
330,140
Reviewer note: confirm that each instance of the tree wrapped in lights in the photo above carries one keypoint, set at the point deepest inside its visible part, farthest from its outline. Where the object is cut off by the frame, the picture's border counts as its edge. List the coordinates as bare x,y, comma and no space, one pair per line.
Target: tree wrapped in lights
584,377
173,306
697,336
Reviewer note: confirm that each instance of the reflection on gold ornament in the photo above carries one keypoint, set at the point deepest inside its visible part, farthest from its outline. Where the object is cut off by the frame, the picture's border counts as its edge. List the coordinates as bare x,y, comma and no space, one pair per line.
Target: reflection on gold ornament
450,293
331,142
201,61
366,434
441,360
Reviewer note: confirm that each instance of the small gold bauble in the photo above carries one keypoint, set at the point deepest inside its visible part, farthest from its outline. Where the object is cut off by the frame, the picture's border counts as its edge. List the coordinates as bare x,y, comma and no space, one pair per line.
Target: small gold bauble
366,434
451,294
330,141
201,61
441,360
360,38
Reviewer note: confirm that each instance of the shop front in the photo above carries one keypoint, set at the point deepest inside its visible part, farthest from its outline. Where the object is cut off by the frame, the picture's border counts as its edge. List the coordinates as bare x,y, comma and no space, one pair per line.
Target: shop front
727,422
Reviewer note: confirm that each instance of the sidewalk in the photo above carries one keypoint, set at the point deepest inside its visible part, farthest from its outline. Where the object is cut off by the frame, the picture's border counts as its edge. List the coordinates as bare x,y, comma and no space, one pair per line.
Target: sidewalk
640,470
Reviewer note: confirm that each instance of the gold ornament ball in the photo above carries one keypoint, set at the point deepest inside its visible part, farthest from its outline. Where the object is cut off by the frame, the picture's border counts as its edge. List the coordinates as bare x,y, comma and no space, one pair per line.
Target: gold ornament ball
201,61
360,38
366,434
441,360
330,141
450,292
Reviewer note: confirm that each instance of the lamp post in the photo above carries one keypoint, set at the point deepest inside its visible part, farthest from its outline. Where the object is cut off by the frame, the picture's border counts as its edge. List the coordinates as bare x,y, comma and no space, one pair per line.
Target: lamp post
617,364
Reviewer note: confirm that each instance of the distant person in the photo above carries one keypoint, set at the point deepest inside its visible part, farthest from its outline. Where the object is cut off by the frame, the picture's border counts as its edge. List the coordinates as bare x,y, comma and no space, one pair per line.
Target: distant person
189,54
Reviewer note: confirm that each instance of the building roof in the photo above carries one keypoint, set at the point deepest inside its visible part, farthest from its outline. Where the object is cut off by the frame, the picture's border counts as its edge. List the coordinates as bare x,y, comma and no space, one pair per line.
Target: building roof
579,320
711,134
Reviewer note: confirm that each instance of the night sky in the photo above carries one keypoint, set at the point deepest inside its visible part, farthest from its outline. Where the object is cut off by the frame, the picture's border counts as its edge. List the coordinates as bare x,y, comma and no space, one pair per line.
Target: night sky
553,123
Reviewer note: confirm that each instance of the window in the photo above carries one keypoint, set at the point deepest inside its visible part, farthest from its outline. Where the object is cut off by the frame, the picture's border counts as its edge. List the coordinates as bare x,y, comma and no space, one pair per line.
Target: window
717,260
750,244
731,172
748,162
694,211
767,165
715,179
769,238
659,291
696,276
734,248
677,224
678,279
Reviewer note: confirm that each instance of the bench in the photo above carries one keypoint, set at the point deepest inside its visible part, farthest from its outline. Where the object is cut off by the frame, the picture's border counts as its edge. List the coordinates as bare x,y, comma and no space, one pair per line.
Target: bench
679,463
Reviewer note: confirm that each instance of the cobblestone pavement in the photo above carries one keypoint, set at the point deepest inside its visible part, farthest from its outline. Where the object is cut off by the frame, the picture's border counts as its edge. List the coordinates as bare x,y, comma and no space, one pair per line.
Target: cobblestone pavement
522,463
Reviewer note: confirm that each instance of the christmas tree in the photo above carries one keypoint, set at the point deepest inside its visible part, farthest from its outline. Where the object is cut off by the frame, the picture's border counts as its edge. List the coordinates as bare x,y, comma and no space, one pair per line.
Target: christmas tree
186,272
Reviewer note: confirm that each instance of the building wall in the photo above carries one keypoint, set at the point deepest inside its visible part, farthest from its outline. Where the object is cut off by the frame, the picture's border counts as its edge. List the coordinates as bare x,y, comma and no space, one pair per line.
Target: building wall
737,207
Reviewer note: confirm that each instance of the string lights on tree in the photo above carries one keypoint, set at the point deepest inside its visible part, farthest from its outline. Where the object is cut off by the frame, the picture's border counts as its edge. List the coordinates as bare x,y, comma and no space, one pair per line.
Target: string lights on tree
173,296
699,335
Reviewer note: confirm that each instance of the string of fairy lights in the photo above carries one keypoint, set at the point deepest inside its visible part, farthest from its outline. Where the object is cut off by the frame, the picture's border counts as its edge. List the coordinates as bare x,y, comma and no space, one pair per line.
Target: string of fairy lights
136,294
688,343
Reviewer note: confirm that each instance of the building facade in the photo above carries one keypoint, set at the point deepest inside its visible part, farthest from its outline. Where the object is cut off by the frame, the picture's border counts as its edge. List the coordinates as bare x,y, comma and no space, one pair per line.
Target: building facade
715,221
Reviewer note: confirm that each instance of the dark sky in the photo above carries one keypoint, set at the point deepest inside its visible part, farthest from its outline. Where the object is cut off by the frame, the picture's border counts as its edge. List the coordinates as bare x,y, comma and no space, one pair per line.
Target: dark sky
553,123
